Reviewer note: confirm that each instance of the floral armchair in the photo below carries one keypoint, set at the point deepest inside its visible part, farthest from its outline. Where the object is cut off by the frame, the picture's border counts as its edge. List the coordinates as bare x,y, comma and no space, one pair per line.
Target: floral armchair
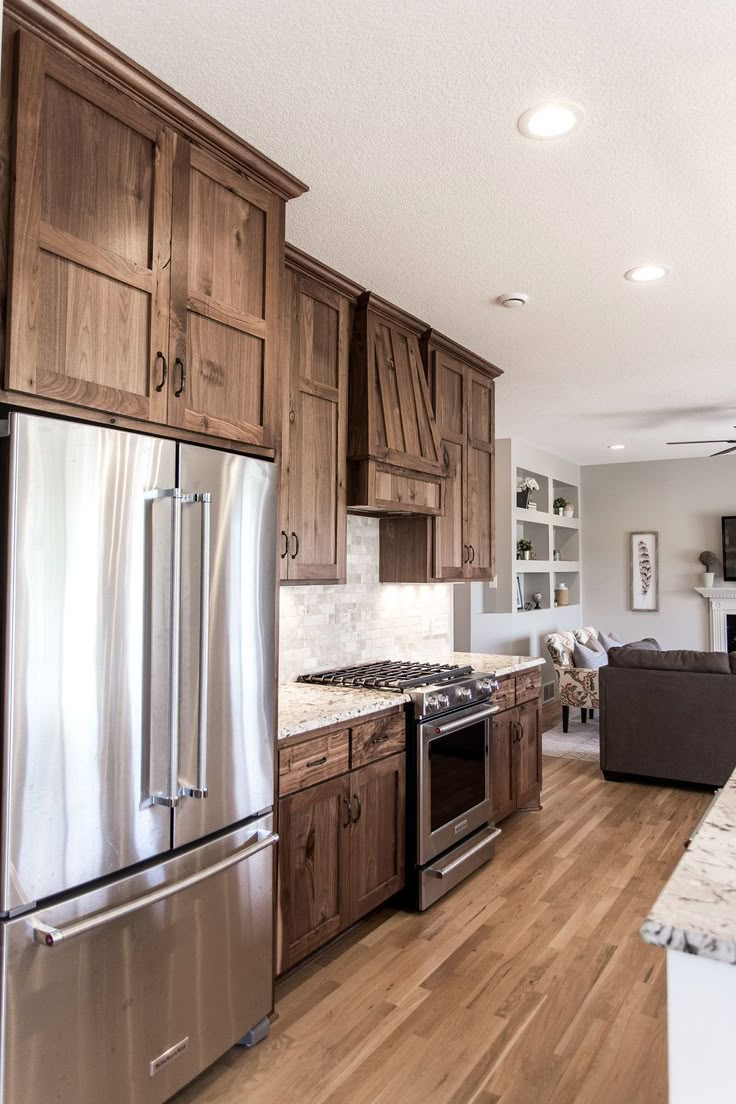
578,687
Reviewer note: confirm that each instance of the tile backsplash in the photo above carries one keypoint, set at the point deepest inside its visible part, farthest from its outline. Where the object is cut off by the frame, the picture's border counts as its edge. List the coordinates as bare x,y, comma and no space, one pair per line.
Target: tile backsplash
321,626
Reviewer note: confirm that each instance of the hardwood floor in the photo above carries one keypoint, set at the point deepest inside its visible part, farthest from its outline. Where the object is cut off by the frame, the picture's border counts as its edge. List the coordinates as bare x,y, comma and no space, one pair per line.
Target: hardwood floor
528,984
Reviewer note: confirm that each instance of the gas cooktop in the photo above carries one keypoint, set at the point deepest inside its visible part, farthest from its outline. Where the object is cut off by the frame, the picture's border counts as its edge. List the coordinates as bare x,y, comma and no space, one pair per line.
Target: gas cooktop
433,687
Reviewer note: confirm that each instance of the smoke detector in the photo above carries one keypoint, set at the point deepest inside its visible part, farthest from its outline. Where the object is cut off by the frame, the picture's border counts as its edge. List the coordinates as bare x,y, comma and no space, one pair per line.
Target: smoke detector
513,299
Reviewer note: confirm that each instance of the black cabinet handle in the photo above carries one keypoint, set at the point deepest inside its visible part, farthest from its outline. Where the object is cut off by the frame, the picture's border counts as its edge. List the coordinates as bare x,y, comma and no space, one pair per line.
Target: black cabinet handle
295,553
182,376
471,549
356,816
348,817
317,762
164,371
465,553
381,739
286,544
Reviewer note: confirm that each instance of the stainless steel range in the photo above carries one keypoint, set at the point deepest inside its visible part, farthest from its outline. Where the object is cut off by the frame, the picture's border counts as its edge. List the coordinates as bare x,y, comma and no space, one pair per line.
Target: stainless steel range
449,829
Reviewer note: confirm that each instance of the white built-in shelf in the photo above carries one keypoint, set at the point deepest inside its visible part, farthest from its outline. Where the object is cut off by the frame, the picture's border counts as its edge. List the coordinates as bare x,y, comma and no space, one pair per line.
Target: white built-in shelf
546,609
545,518
560,566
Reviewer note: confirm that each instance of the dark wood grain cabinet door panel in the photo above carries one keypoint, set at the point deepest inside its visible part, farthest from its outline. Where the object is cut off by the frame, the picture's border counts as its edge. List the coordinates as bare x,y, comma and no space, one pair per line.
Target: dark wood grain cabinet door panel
90,240
502,765
377,859
315,458
479,526
314,866
227,242
450,547
529,756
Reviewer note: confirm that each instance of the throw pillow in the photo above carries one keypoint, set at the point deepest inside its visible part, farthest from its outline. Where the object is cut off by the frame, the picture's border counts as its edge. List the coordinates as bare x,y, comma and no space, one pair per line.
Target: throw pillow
588,658
648,644
609,640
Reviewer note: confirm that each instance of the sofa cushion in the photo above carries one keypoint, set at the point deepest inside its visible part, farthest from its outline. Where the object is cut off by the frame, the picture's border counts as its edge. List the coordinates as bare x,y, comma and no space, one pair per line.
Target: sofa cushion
647,644
706,663
588,658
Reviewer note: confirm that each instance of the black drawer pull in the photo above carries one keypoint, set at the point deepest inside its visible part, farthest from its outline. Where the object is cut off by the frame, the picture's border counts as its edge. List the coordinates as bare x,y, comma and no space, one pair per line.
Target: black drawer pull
164,371
381,739
317,762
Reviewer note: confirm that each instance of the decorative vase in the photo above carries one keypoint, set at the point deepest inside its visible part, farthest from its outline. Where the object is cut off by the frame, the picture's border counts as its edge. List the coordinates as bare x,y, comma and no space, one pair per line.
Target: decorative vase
569,510
562,595
708,578
522,498
532,506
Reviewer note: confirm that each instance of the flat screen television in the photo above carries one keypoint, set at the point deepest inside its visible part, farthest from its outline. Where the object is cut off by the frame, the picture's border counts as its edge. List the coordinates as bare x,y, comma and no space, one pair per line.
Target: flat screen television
728,527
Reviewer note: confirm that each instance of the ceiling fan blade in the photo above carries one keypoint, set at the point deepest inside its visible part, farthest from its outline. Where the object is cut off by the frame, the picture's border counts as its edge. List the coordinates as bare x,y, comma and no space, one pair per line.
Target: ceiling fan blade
724,451
713,441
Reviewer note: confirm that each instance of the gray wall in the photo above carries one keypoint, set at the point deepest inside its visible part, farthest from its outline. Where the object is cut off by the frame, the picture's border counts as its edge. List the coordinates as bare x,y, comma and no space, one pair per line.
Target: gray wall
684,501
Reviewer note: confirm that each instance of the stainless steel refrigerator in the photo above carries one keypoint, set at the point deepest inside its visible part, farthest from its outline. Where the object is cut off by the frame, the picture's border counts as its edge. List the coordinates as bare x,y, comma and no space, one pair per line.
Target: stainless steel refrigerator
138,740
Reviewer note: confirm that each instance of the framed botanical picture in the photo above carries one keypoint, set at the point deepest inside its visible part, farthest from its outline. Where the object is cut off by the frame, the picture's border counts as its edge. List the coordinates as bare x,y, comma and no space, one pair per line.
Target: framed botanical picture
644,557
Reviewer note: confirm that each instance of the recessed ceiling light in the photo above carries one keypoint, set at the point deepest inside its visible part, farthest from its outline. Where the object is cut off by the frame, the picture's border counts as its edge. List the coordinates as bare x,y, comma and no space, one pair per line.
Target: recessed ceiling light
616,446
643,274
550,120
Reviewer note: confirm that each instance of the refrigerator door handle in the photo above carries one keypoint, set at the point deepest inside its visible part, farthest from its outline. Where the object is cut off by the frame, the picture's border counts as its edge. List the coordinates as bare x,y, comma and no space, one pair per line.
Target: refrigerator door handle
170,797
199,789
47,936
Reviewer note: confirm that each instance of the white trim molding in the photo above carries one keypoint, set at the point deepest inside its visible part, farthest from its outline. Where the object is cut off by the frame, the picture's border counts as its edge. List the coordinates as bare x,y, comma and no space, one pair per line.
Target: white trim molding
722,602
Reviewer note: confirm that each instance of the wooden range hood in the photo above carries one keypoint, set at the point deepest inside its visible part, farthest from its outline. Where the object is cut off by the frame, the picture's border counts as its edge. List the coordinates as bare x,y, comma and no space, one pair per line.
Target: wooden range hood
395,462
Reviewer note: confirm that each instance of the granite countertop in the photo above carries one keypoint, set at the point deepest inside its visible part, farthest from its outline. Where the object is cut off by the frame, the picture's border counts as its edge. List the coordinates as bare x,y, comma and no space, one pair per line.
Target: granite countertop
696,910
306,707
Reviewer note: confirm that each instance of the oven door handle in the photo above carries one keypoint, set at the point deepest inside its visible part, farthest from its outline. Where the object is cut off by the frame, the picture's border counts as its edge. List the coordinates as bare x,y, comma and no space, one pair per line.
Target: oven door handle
469,719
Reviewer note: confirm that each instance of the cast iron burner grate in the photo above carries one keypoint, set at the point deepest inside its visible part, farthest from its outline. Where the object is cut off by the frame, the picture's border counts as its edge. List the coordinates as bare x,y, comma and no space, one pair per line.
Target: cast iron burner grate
389,674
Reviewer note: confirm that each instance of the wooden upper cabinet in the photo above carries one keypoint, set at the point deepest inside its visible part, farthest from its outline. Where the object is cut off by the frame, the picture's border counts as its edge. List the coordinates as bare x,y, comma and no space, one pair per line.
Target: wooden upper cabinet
395,460
479,498
90,240
227,243
146,243
318,305
459,544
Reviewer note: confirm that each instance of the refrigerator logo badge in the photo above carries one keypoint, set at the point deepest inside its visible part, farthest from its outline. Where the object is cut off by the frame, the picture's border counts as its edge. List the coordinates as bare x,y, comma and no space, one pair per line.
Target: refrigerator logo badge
168,1056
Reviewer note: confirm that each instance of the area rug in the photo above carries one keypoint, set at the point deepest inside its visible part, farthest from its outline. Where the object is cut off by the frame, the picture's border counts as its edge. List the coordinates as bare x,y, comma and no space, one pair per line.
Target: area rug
581,742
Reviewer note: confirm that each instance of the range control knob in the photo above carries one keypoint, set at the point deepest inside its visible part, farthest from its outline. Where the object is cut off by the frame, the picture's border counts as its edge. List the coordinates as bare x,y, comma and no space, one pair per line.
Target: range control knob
444,700
433,702
464,693
487,685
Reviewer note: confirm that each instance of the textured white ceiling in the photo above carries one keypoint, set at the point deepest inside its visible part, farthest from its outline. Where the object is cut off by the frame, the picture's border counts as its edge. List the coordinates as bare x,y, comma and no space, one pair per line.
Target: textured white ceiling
401,116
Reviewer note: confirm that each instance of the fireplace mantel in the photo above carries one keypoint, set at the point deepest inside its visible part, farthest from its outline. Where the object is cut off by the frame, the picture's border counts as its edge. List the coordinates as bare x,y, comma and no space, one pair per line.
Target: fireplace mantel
722,603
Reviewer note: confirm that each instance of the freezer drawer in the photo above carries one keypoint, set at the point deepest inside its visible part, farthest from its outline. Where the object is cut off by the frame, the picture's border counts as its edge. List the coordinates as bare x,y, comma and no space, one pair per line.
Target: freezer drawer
126,1006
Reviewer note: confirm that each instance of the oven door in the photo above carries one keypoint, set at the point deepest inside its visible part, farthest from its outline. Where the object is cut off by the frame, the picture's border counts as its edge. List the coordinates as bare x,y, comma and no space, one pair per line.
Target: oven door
454,778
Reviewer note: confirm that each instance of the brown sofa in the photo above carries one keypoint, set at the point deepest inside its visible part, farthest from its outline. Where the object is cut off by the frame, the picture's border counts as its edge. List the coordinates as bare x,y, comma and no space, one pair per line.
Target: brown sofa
669,715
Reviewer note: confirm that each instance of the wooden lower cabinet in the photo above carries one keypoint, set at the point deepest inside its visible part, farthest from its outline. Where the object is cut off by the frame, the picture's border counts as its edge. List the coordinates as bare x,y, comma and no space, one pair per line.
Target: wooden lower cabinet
341,854
517,757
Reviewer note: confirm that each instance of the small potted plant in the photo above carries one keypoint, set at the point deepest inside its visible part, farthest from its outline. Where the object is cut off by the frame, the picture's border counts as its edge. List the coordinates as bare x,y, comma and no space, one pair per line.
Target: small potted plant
523,549
524,490
707,559
559,505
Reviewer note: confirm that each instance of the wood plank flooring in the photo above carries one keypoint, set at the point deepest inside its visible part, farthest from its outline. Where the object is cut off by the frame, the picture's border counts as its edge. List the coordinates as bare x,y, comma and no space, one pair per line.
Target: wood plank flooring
527,985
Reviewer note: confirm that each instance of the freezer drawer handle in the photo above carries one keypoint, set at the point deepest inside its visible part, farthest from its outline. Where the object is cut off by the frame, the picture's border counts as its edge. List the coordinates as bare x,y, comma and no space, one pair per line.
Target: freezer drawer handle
443,871
47,936
199,790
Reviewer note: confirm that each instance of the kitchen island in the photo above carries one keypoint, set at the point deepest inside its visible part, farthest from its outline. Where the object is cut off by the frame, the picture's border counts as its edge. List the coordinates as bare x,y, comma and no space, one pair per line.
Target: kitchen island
694,919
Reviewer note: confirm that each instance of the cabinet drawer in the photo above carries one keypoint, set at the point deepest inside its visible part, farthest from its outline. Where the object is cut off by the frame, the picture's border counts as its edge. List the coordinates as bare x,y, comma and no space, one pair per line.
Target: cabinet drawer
504,697
528,686
374,739
313,761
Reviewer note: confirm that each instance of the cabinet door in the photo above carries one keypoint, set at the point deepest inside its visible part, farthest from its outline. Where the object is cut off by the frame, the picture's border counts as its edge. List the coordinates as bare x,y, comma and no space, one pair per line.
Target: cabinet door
90,240
317,432
528,749
450,548
377,860
479,496
227,249
314,863
505,731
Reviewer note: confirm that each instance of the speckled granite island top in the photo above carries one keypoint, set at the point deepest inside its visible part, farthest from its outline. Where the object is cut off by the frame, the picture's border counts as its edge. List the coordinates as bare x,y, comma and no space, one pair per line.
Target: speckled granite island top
696,910
306,707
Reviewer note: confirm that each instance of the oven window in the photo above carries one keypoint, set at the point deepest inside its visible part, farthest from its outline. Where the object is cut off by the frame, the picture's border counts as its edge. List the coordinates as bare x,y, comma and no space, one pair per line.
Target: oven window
457,773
